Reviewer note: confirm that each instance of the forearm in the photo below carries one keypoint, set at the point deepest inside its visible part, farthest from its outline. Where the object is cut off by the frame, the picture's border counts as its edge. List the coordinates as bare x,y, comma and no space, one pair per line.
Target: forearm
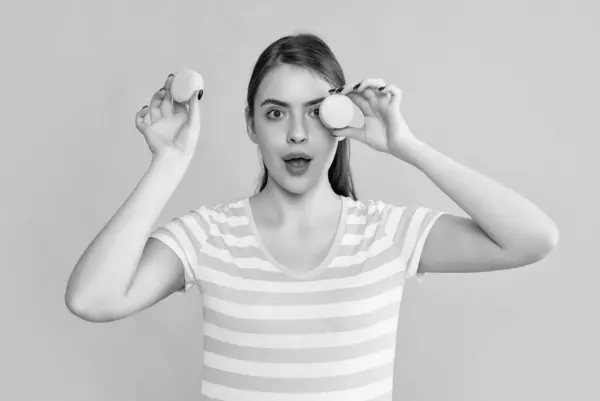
509,219
107,265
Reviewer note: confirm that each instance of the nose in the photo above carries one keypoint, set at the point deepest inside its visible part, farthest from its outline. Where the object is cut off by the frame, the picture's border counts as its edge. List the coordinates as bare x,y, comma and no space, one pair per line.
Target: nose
297,132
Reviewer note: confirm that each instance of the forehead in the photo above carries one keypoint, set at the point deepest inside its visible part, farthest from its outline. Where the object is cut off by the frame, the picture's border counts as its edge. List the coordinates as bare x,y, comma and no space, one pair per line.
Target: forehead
292,83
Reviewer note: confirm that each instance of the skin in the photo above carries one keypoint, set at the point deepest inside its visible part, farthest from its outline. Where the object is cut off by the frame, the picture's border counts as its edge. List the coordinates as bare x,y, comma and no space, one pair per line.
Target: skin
302,202
503,231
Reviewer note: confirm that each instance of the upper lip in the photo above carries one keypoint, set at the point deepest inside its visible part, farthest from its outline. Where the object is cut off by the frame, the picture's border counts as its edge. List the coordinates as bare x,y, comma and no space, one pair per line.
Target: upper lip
296,155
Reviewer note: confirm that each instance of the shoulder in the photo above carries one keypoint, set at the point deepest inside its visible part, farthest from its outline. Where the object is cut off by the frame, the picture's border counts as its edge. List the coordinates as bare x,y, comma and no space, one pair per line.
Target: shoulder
368,207
202,217
377,208
222,215
231,206
396,217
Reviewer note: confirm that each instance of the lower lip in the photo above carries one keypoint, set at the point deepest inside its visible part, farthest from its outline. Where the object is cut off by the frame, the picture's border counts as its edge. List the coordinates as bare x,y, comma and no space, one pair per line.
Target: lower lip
293,170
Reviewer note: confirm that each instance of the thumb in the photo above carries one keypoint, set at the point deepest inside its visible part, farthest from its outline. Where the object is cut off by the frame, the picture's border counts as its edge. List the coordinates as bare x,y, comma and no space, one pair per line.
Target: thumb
349,132
195,116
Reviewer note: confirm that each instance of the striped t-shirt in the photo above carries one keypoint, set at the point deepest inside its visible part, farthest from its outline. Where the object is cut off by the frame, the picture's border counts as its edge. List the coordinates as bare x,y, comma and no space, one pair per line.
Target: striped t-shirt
275,334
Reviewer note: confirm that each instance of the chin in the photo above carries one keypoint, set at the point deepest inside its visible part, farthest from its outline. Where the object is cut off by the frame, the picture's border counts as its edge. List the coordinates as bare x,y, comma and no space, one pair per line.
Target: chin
295,185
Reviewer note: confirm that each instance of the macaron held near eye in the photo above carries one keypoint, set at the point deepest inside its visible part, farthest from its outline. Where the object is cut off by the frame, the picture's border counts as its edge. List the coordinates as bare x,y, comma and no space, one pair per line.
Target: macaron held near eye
184,84
336,111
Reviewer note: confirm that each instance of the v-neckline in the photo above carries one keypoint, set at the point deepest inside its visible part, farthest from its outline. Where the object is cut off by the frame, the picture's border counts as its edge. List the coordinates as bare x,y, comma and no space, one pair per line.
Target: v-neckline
341,227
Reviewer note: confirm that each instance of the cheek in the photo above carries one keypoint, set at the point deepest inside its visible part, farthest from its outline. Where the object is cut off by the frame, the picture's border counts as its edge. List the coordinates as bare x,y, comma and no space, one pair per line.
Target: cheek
331,154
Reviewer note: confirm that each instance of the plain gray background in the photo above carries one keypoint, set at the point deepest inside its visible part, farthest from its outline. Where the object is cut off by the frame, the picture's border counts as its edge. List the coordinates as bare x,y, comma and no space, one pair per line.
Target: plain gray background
509,88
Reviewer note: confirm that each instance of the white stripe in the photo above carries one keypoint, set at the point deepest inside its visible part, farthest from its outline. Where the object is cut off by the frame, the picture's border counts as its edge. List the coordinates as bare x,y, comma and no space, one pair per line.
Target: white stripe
225,255
259,263
367,392
192,225
302,341
250,241
299,370
419,243
183,247
185,242
411,234
340,309
168,239
225,280
376,247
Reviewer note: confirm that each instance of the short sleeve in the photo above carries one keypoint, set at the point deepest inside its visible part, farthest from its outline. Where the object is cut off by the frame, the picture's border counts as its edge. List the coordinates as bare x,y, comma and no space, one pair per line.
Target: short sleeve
412,229
184,235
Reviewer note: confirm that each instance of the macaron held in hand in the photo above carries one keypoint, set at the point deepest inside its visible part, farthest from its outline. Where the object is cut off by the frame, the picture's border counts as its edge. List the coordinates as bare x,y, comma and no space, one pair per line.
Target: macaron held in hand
336,111
384,128
185,83
167,125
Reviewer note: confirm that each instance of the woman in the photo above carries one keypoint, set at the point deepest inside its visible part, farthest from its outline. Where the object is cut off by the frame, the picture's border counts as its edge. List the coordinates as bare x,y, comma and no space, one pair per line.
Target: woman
301,282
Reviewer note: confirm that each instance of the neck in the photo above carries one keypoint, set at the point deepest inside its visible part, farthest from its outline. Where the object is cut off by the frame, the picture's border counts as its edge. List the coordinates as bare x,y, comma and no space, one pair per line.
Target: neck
282,208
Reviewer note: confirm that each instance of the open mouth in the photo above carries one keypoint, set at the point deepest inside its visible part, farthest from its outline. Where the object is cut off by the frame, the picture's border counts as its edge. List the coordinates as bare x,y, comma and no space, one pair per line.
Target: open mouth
297,162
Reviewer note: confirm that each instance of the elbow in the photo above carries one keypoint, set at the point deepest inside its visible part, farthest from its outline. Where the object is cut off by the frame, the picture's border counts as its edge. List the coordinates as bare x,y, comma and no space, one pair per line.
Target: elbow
83,312
534,250
554,237
546,244
549,242
76,308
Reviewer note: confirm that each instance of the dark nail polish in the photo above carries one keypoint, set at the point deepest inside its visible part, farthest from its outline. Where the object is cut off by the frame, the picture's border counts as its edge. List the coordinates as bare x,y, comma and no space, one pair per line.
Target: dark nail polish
200,94
332,90
339,90
381,88
356,86
171,75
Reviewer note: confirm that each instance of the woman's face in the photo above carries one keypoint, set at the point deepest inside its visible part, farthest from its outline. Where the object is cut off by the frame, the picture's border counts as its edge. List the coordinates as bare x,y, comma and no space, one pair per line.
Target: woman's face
286,119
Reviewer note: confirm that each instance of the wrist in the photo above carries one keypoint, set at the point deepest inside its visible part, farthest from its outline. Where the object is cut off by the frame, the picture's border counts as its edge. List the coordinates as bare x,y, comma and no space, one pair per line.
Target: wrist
411,152
169,164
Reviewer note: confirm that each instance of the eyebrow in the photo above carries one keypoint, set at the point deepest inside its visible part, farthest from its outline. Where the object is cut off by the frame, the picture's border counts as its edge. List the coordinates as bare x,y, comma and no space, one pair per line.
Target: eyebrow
284,104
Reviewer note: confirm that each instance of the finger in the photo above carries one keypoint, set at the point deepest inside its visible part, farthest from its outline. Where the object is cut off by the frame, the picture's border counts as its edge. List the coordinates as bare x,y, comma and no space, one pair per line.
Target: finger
187,138
395,92
362,85
140,120
167,105
168,81
370,88
194,121
179,108
357,133
362,103
155,102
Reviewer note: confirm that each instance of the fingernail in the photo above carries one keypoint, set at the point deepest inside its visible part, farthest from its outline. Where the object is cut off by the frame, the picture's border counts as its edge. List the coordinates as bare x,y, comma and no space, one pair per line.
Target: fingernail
339,90
200,94
381,88
332,90
171,75
356,86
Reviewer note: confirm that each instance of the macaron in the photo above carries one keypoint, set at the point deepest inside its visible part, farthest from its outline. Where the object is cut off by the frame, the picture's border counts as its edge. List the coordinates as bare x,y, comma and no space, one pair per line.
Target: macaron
336,111
184,84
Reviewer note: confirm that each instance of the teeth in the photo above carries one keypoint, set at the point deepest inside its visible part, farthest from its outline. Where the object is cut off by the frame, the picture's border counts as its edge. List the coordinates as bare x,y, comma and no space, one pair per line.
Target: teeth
297,162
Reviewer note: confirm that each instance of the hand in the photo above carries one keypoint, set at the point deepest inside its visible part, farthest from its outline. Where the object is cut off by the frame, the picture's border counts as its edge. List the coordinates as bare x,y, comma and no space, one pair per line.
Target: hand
384,129
172,130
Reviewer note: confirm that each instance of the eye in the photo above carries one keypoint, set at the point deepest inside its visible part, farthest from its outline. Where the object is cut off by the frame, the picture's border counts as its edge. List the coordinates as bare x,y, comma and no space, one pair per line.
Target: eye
271,112
275,114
